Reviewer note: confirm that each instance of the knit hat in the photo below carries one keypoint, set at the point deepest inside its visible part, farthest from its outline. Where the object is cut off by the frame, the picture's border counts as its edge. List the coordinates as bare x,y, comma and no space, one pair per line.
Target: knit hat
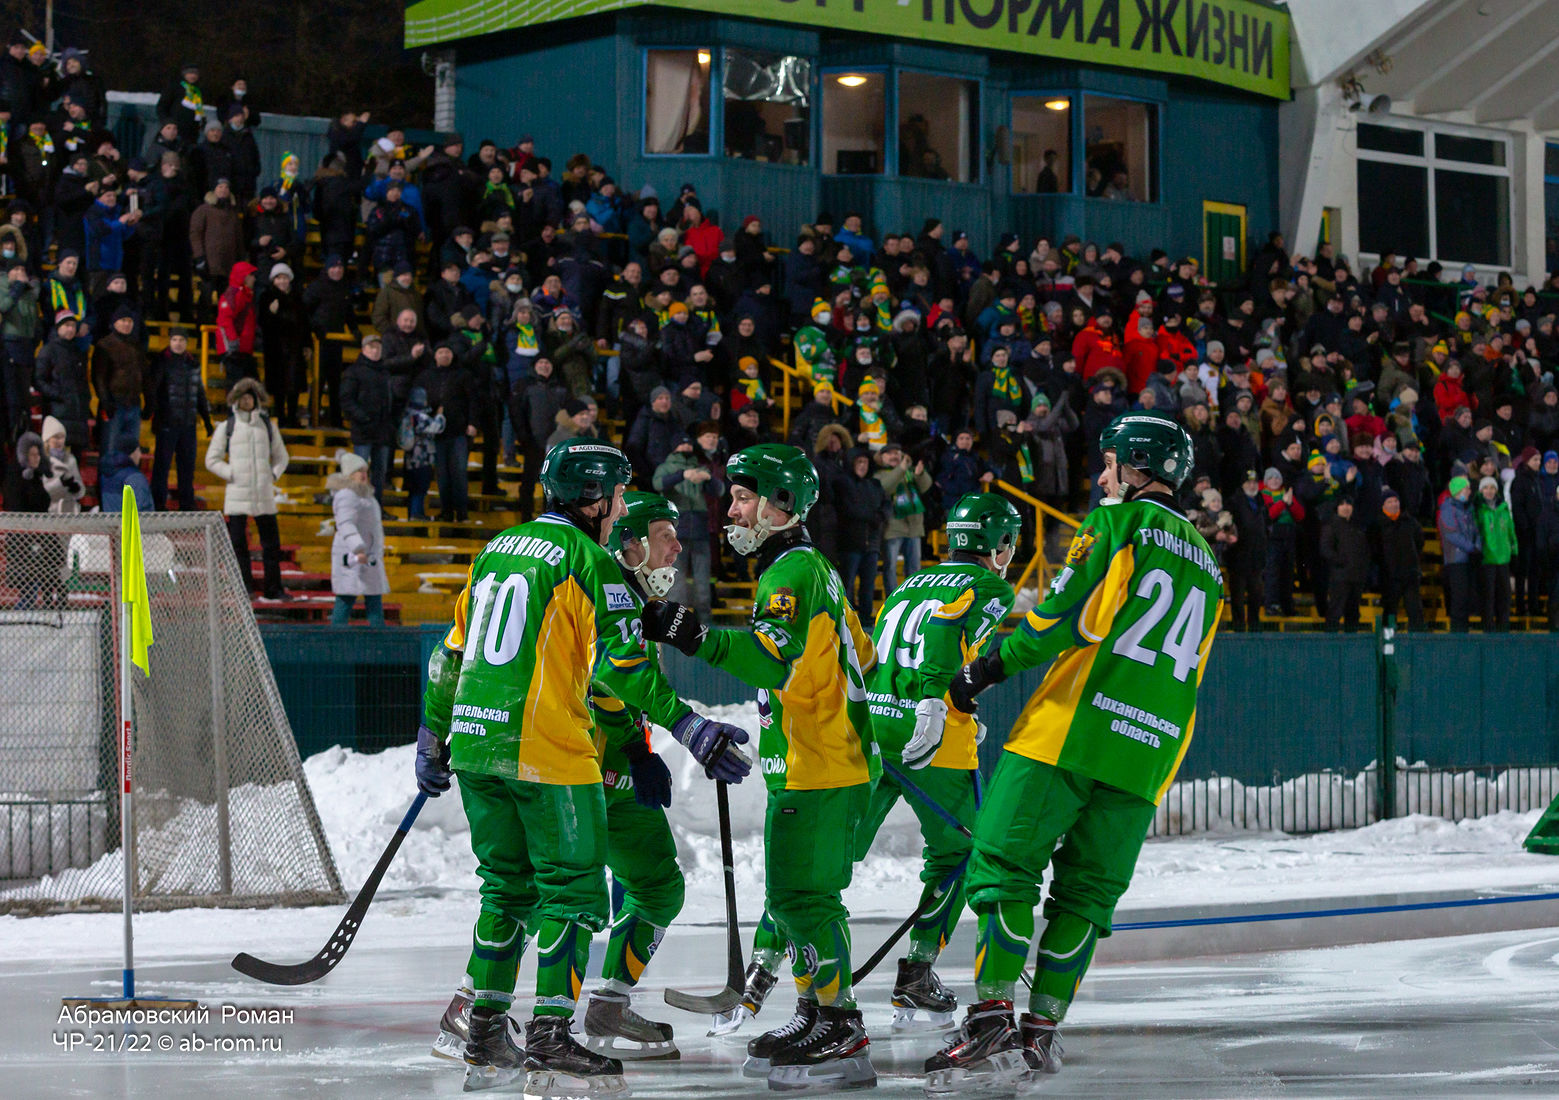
279,270
1272,473
1316,461
1458,484
333,260
350,463
574,406
677,309
1407,395
1528,453
1488,483
62,316
868,386
741,364
51,428
1550,456
658,392
403,268
820,306
1214,344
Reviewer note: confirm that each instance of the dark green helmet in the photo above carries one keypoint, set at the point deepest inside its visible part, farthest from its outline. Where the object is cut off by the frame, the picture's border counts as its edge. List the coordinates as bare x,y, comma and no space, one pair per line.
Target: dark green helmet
778,471
643,510
1152,443
983,523
580,471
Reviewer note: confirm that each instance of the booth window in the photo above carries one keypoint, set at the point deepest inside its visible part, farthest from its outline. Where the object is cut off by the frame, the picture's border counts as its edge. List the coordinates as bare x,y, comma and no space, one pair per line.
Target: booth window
1433,195
854,123
1042,144
938,127
768,106
676,102
1120,149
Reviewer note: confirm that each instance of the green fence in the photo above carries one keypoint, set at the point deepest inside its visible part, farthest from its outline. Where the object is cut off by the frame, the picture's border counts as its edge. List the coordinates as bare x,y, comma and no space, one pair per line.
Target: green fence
1272,705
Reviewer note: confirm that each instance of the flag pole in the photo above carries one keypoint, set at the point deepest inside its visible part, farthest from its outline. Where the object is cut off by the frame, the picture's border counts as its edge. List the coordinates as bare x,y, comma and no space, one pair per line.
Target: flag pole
126,717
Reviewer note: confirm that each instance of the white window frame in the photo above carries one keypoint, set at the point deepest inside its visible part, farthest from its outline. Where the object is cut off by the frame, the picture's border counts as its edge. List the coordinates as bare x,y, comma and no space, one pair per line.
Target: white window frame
1429,161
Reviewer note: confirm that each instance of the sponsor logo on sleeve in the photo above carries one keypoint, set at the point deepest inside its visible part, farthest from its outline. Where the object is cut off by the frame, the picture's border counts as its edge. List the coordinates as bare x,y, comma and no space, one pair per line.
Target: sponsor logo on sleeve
618,598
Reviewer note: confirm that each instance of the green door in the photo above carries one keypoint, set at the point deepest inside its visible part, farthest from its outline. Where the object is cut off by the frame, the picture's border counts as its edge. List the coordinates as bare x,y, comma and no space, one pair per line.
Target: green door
1223,241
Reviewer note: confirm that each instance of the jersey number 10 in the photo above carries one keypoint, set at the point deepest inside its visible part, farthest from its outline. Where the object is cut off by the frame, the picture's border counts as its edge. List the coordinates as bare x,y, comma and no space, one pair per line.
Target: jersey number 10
499,620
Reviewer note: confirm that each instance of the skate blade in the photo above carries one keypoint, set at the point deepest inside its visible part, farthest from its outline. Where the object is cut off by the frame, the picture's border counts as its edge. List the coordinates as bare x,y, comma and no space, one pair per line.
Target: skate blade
450,1047
725,1023
755,1067
1003,1071
631,1050
482,1078
551,1085
845,1073
911,1020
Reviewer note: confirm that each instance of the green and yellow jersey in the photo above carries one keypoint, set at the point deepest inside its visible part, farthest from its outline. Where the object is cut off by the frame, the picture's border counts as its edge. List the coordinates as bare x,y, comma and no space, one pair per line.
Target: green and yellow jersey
619,724
808,657
1129,621
929,628
545,614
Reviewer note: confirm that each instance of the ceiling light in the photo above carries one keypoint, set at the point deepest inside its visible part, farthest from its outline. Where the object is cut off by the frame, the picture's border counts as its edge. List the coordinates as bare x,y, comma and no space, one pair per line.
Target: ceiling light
703,57
1058,104
852,80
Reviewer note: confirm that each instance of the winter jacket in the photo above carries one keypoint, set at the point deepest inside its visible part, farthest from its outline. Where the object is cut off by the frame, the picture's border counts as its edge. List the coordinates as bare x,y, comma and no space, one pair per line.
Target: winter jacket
247,452
1459,536
63,484
651,439
236,313
806,424
114,472
393,300
358,528
368,402
691,498
106,234
958,474
60,375
1527,500
335,202
216,235
178,396
329,303
1047,435
119,373
18,310
391,232
1401,550
534,405
863,509
177,104
1498,531
1346,548
1248,555
893,479
449,389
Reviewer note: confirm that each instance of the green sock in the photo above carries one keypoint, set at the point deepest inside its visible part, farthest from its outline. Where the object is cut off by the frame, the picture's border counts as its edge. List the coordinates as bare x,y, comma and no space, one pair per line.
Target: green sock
562,952
628,951
935,927
822,967
768,943
1065,950
1006,929
497,942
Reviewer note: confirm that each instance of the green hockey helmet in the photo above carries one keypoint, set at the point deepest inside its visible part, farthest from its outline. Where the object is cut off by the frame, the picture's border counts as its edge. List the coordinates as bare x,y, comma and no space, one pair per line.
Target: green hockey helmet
778,473
582,471
643,510
983,523
1152,443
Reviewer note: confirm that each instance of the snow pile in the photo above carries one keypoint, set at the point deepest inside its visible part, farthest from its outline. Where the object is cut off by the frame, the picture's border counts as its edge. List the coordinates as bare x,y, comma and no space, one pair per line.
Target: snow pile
1327,800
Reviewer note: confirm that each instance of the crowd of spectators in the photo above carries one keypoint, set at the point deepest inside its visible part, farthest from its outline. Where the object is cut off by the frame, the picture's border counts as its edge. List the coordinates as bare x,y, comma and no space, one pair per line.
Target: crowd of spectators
1337,415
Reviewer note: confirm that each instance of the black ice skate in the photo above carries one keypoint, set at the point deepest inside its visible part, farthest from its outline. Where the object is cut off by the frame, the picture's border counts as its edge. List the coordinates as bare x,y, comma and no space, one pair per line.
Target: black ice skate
1042,1041
835,1054
755,990
613,1028
986,1054
491,1057
559,1066
454,1028
761,1049
920,1001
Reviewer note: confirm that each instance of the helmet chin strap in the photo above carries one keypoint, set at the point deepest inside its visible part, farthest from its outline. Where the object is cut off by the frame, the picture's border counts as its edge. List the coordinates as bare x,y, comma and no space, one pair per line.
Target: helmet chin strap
746,540
656,582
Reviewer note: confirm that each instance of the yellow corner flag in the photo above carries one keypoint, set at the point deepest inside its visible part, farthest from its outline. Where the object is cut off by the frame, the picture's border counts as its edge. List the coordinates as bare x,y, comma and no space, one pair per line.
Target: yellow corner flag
132,581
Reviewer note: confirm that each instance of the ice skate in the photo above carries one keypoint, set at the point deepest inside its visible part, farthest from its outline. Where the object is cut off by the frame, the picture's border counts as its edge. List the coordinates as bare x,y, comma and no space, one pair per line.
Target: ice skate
1042,1041
755,990
492,1059
454,1028
613,1028
560,1067
834,1054
920,1001
761,1049
986,1054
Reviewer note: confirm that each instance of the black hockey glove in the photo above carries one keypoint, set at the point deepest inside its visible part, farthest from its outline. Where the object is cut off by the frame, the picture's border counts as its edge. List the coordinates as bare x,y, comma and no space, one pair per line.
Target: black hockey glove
651,777
675,624
974,678
432,763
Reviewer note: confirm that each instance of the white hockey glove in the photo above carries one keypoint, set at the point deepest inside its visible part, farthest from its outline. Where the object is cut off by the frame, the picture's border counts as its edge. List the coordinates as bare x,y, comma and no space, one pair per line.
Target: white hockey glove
930,718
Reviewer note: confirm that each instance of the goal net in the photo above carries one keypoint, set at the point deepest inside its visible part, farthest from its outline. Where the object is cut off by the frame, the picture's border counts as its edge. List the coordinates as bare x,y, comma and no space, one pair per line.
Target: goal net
222,811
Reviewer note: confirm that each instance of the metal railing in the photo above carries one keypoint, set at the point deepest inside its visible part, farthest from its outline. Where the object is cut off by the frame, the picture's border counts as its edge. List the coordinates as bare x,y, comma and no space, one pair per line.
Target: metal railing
788,374
1037,567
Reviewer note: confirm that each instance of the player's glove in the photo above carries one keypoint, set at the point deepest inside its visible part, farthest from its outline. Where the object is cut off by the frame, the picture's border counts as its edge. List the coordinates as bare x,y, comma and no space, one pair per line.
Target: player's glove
974,678
651,777
675,624
710,743
930,720
432,763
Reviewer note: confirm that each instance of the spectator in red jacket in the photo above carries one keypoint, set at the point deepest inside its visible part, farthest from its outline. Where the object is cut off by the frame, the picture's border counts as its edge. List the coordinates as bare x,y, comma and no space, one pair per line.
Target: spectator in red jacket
702,236
1174,344
1449,394
1097,347
1141,354
236,322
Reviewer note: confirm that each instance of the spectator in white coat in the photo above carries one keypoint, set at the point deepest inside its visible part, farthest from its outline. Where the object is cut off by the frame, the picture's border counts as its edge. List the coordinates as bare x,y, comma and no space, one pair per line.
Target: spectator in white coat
357,550
63,477
247,452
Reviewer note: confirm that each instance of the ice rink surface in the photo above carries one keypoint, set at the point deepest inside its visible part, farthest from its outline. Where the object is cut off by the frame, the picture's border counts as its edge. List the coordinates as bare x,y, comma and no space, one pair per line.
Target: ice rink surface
1465,1016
